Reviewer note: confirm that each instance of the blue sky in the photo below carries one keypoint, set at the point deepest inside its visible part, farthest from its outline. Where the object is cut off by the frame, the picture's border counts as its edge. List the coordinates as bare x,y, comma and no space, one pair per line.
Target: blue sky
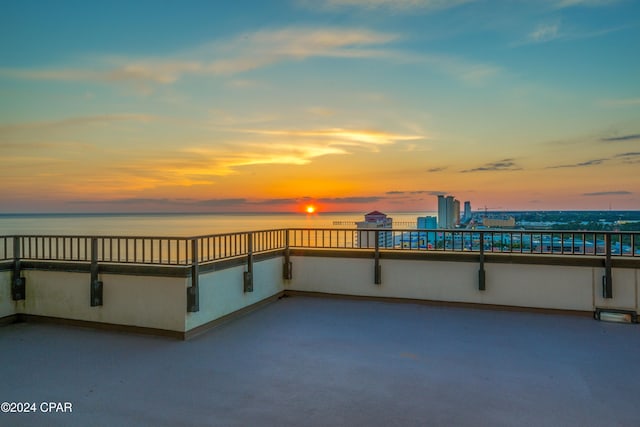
351,104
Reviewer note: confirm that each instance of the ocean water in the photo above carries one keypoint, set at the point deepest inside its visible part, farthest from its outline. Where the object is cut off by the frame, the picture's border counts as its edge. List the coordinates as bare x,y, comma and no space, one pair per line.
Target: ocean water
178,225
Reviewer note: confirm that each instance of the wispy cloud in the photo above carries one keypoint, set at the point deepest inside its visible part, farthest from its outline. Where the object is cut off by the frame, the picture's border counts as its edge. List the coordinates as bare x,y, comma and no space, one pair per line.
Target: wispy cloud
586,3
125,168
437,169
224,162
222,202
279,146
429,192
630,137
501,165
243,53
460,69
238,204
342,136
629,158
105,119
608,193
130,201
593,162
544,33
393,5
547,32
629,155
348,200
254,50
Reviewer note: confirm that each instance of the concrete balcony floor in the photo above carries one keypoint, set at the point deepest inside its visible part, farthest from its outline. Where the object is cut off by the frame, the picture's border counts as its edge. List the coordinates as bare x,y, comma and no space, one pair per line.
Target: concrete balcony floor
327,362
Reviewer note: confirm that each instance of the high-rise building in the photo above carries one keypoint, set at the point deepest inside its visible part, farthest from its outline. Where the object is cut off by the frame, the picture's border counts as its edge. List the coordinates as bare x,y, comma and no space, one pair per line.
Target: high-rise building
428,239
442,212
448,212
367,238
428,222
467,211
456,212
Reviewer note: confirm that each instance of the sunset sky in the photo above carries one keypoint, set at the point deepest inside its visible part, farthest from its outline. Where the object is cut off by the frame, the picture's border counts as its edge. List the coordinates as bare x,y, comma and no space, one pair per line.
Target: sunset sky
351,105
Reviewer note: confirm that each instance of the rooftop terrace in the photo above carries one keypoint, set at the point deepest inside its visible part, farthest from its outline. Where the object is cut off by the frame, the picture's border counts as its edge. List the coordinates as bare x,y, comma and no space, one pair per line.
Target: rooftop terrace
493,329
319,361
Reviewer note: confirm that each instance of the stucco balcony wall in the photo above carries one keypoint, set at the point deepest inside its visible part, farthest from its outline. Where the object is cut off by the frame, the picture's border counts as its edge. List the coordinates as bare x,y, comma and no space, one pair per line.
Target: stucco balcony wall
560,287
7,305
222,291
142,301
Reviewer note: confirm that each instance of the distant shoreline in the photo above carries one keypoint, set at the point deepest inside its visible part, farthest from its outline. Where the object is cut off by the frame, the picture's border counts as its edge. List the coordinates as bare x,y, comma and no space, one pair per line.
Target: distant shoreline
503,212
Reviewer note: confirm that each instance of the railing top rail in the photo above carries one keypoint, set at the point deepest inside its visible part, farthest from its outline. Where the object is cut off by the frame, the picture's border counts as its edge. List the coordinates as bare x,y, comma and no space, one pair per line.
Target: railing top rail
436,230
100,236
232,233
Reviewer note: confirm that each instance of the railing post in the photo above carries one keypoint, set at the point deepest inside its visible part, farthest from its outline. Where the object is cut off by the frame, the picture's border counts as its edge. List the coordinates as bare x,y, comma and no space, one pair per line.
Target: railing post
193,291
481,273
287,267
248,275
607,279
377,269
96,285
18,284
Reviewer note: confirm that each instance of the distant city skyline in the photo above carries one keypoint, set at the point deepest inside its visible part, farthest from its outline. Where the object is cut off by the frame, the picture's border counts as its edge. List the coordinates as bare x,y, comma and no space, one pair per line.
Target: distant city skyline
344,105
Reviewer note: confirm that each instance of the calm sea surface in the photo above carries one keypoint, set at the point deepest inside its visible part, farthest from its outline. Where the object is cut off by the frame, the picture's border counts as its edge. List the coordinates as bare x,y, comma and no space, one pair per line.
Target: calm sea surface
178,225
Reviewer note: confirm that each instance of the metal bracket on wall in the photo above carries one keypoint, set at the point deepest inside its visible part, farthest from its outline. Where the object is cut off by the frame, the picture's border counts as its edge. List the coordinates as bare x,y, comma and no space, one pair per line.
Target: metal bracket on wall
248,275
377,268
18,284
287,267
193,291
482,284
96,285
607,279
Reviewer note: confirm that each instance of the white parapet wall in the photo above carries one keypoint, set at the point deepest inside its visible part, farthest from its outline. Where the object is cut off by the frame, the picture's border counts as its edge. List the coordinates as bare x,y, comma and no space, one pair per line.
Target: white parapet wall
7,305
519,285
222,292
159,301
156,302
539,286
142,301
626,289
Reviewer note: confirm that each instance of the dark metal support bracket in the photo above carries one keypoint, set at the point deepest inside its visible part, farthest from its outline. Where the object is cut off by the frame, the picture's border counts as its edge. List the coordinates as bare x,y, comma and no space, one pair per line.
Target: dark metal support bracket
377,268
482,283
193,291
18,284
96,285
607,279
248,275
287,267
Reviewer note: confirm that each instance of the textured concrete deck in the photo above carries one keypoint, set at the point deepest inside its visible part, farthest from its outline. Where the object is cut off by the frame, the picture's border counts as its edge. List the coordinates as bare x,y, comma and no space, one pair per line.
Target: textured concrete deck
320,362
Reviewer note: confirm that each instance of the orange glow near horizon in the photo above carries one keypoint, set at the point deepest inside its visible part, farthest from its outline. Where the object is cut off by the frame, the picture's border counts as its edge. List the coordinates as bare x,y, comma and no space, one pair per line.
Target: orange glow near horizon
310,209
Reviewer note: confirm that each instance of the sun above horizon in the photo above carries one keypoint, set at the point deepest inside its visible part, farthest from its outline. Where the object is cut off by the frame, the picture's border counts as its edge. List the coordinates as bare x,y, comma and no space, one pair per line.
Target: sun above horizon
310,209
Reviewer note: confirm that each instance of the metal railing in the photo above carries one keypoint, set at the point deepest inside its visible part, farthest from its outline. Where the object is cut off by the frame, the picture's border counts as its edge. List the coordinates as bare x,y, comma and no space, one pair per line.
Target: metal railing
6,248
179,250
516,241
229,245
511,241
140,249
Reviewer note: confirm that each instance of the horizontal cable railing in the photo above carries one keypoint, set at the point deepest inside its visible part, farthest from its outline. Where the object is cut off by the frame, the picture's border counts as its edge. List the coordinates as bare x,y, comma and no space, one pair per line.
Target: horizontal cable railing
179,250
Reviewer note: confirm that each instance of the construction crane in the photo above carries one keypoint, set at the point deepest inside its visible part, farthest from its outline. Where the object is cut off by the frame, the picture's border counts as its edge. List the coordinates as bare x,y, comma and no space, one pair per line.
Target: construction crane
487,208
